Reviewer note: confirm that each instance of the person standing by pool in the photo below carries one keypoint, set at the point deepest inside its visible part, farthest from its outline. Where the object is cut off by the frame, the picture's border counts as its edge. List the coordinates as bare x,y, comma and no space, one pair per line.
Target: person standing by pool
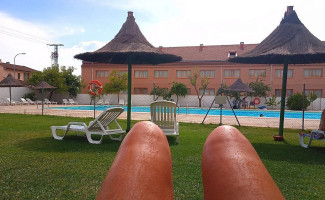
244,103
235,104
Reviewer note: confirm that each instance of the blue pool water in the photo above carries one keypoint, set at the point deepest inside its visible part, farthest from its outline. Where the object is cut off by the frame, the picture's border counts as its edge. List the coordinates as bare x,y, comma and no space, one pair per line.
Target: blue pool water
214,111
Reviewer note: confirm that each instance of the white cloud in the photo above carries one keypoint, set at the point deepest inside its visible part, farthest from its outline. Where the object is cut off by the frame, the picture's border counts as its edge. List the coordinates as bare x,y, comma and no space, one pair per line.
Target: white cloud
66,54
38,53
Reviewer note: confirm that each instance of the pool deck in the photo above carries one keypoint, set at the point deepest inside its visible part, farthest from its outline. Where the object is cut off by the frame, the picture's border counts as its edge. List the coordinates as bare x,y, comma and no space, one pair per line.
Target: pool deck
211,119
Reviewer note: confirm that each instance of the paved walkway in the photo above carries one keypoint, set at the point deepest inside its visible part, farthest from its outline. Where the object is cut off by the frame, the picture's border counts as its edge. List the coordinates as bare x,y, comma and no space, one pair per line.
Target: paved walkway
215,119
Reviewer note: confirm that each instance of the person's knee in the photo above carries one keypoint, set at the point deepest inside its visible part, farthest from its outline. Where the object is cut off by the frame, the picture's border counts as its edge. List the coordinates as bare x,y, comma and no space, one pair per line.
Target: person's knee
231,168
142,168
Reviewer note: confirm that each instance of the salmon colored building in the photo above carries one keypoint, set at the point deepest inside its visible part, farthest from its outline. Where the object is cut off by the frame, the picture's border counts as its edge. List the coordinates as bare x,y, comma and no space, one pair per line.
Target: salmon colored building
20,72
211,62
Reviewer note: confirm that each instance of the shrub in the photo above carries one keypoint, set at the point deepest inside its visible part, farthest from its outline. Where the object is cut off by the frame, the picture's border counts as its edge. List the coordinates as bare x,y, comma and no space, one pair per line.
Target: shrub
294,102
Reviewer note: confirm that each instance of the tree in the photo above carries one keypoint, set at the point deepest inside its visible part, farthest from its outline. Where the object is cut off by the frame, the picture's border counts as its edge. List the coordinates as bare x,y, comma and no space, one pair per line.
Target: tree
73,83
260,88
117,82
158,92
179,89
204,84
64,81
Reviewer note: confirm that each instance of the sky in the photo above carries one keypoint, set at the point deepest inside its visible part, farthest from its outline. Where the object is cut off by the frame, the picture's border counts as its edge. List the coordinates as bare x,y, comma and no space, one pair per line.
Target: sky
27,26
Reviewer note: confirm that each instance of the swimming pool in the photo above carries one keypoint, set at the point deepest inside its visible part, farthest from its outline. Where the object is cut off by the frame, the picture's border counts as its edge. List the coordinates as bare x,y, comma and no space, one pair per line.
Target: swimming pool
214,111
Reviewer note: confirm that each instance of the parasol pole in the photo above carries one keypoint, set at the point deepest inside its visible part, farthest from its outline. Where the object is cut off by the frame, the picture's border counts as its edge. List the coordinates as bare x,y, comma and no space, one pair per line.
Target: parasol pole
283,97
10,95
94,106
303,107
42,97
128,122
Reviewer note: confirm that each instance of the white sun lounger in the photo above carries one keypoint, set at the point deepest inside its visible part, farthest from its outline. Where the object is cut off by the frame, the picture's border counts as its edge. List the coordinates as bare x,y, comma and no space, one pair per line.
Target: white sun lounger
97,127
163,113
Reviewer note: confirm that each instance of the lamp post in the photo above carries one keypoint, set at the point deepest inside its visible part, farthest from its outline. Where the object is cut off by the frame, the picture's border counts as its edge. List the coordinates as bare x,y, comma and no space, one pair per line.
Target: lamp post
15,62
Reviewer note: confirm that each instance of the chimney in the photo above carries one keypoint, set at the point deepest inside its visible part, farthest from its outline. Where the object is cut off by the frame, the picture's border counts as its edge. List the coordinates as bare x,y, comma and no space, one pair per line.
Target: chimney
201,47
289,10
0,61
242,46
160,48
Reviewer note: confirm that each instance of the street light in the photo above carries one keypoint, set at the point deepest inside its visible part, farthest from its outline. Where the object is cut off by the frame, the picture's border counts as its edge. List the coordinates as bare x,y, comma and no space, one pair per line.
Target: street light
15,62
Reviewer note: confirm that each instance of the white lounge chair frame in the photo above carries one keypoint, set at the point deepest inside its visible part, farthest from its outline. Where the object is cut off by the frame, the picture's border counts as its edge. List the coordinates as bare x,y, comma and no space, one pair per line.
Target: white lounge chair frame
163,113
65,102
24,102
97,127
100,102
121,102
107,101
311,137
30,101
72,102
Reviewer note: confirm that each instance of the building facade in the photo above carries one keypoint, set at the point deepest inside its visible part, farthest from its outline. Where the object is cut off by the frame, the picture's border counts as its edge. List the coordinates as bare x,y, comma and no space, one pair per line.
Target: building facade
19,72
211,62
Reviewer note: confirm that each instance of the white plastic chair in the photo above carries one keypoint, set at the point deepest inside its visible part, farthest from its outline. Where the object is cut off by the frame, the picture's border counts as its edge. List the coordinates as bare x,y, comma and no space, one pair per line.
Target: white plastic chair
30,101
12,101
121,102
106,101
315,134
46,101
100,102
97,127
23,101
71,101
163,113
65,102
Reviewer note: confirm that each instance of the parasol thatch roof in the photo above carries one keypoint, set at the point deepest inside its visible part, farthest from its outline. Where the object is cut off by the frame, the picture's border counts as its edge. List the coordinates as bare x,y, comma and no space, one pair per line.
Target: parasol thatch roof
291,42
45,85
239,86
10,81
128,41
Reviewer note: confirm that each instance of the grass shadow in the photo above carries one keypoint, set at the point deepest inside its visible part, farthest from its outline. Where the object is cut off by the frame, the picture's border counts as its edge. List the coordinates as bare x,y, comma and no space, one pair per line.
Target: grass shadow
68,144
290,153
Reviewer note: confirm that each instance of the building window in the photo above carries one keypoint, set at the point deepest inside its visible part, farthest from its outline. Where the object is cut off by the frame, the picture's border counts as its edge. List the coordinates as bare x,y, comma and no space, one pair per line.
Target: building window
313,73
278,92
140,90
123,72
315,91
255,73
207,73
232,54
232,73
141,74
18,76
208,92
183,73
101,73
26,76
161,73
188,91
279,73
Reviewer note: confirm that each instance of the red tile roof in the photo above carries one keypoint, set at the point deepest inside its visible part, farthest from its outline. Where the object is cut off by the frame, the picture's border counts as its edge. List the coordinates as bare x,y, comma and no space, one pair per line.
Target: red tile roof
207,53
18,67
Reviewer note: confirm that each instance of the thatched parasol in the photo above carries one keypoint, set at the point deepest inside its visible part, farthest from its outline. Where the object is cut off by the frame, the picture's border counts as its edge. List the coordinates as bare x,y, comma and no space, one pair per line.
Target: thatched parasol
239,86
10,81
43,85
129,46
290,43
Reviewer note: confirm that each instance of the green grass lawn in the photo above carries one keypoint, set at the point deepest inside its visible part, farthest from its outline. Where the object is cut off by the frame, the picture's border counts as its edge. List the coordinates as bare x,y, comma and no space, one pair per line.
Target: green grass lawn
35,166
